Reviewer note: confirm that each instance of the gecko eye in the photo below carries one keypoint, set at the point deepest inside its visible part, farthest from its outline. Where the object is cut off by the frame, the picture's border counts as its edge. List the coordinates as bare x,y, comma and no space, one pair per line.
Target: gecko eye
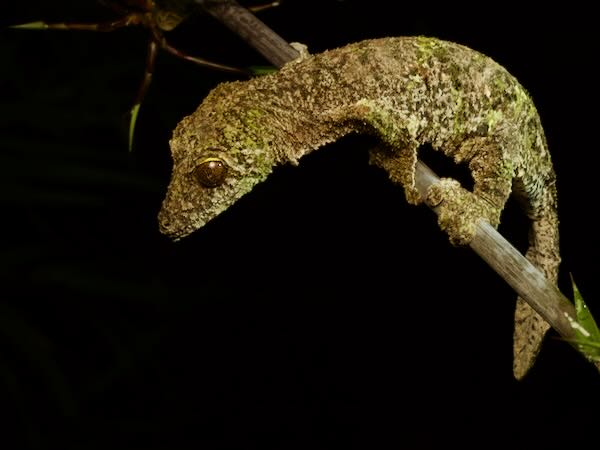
211,172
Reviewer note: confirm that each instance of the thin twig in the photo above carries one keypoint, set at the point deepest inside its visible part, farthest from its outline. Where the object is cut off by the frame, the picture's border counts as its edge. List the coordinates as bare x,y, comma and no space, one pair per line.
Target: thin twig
497,252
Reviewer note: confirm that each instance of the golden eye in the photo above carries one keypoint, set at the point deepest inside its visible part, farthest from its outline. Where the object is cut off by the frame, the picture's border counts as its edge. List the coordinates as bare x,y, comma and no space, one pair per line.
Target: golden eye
211,172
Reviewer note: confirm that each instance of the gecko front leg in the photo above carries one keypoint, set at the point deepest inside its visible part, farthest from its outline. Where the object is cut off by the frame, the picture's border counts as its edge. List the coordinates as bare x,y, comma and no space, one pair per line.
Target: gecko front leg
398,149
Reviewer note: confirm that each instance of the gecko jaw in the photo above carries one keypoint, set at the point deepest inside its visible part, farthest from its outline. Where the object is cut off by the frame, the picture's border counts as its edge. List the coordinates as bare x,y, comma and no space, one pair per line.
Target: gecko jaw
177,230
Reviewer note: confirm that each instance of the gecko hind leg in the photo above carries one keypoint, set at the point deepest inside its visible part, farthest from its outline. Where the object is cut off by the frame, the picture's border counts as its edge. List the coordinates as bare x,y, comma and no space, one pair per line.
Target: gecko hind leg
458,209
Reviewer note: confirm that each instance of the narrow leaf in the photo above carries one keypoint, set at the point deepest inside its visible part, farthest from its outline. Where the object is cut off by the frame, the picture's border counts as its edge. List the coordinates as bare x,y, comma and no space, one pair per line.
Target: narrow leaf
593,352
588,334
134,114
31,26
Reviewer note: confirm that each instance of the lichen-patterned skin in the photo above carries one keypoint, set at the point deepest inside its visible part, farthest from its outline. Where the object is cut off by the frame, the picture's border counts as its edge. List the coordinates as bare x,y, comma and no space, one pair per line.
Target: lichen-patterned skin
407,91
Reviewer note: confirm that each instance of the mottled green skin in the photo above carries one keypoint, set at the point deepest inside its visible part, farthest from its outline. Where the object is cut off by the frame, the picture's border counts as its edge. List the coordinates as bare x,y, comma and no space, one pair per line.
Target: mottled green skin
408,92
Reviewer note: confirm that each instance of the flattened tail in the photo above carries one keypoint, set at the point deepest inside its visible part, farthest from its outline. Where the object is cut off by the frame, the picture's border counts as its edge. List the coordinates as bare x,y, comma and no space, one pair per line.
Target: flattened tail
543,253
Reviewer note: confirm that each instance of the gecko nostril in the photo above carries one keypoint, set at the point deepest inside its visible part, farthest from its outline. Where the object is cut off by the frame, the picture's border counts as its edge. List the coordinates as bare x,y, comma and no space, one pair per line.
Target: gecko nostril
163,222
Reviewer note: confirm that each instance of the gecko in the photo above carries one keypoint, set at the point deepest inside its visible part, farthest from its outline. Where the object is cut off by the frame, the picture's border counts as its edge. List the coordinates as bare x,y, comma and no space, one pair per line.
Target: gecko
406,91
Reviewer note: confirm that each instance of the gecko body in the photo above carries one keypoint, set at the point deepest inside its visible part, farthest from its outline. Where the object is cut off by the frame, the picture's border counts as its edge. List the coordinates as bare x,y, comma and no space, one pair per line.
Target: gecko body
406,91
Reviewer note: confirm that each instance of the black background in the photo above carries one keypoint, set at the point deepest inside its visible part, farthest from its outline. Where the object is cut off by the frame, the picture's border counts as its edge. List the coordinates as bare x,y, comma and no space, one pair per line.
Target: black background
321,311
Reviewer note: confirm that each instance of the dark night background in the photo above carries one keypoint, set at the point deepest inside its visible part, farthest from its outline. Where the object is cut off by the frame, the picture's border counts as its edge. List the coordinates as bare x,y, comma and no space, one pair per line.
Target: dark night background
321,311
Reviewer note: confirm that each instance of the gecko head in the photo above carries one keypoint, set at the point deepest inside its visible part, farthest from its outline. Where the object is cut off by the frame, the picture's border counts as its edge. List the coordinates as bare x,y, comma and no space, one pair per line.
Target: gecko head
219,154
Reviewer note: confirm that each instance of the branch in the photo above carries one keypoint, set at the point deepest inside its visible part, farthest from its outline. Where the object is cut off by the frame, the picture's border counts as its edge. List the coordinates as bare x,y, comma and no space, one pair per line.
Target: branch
514,268
242,22
527,281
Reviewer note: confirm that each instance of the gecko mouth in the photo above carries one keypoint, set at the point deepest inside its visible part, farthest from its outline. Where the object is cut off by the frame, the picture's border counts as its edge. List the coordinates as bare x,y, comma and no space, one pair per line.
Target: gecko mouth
165,226
175,229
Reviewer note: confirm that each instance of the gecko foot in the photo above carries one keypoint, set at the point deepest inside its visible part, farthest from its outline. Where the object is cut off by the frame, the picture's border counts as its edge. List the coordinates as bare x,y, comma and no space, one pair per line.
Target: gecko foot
459,210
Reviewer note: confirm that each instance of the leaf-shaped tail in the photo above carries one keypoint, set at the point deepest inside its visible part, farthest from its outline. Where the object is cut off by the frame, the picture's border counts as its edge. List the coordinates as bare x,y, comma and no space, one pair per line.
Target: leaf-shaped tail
543,253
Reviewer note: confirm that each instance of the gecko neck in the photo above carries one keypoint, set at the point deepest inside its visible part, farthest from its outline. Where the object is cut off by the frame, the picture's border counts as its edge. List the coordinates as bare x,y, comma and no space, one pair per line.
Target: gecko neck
299,117
295,135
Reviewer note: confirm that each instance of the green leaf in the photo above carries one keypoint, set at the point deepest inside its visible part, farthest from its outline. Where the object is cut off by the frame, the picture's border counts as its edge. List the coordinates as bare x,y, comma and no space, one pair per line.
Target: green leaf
134,114
587,332
31,26
262,70
593,348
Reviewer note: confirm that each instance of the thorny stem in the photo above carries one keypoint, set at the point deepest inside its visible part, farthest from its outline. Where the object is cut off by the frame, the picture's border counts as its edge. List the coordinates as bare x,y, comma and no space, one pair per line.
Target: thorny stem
496,251
150,63
203,62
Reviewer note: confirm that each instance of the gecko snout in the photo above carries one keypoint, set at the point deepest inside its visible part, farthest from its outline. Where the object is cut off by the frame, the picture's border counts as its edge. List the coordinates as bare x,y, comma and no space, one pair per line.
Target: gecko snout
167,226
164,223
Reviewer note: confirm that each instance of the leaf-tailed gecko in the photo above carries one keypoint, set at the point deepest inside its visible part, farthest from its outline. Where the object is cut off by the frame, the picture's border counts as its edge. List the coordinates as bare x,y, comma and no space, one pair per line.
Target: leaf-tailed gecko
407,91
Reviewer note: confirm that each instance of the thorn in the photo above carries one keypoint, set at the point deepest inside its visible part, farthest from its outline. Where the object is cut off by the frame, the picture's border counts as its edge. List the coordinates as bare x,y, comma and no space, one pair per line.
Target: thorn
259,8
39,25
